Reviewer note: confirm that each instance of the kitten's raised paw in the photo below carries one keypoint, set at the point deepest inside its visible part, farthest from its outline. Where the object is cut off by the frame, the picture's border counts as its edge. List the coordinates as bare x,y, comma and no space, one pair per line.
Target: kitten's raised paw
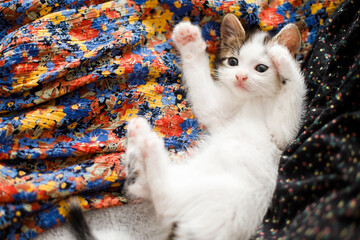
187,37
185,32
282,60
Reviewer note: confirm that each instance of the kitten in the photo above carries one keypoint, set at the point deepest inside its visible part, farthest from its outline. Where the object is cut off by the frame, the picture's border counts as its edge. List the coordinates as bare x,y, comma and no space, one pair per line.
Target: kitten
252,111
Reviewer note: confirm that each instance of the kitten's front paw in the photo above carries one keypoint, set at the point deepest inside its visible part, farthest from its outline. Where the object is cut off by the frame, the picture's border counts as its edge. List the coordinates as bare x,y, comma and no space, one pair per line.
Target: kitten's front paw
187,38
282,60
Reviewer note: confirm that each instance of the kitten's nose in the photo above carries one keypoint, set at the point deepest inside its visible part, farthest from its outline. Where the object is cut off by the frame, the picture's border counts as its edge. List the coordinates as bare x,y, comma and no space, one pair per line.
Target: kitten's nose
241,77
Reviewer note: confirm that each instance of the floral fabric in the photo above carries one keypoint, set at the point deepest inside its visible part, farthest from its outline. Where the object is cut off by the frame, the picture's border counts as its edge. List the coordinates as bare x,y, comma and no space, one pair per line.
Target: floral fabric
73,72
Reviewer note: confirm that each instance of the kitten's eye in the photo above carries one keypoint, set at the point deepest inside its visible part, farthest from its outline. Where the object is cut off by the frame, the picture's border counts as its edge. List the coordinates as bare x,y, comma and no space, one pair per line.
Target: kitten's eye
261,68
232,61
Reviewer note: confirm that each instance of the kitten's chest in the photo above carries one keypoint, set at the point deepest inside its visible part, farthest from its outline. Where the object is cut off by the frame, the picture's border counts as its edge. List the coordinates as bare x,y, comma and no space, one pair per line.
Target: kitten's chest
238,145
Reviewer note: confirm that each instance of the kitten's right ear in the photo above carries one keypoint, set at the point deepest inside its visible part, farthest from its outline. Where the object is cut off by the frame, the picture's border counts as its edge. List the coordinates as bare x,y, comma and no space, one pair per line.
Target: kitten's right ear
231,27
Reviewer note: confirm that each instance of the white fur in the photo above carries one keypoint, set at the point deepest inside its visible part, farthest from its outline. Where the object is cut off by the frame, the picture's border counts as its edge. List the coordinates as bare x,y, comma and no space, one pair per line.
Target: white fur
224,189
107,234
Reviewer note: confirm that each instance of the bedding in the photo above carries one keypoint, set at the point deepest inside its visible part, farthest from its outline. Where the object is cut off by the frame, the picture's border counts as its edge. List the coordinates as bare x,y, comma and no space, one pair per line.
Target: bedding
318,190
73,72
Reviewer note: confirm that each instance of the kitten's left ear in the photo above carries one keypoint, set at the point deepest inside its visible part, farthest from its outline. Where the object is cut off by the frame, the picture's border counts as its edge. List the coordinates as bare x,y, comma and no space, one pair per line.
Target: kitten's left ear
290,37
231,27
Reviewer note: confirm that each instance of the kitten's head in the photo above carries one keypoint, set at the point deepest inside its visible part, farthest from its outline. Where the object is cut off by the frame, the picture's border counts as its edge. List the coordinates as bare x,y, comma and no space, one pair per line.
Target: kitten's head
243,64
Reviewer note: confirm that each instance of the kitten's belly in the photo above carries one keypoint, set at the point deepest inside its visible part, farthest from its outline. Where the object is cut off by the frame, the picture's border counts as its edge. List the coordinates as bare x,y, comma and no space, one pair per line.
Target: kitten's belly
228,182
229,201
230,162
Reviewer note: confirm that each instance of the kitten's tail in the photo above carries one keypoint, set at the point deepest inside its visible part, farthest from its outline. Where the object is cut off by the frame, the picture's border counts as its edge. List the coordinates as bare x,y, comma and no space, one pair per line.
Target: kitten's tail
79,226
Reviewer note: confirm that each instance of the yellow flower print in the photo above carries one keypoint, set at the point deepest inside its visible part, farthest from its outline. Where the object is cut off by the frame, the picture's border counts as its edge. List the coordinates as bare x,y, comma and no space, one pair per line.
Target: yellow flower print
152,96
72,126
45,11
56,18
106,73
112,177
44,118
48,186
82,46
265,27
157,22
10,104
29,80
129,114
151,3
133,19
315,7
120,71
235,9
64,205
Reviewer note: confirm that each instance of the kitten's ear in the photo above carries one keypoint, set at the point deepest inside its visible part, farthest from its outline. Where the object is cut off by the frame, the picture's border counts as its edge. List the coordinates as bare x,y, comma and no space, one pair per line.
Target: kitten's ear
290,37
231,27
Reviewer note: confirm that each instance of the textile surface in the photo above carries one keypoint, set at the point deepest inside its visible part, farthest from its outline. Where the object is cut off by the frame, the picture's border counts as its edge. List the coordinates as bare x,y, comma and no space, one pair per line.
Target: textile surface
72,73
318,191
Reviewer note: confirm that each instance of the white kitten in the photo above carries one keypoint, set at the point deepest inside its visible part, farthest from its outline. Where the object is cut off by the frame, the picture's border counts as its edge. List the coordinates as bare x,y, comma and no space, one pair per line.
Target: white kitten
252,111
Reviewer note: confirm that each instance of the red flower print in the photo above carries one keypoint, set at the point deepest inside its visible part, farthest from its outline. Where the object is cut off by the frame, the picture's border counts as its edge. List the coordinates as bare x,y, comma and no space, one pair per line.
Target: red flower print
269,17
169,126
82,30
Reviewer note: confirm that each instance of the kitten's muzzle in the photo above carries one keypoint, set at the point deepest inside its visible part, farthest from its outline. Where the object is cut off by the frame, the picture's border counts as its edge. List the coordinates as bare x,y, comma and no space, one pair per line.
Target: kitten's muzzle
241,78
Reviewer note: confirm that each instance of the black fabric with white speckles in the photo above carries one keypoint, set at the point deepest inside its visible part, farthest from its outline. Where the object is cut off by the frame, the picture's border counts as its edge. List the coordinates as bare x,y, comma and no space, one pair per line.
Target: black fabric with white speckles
318,192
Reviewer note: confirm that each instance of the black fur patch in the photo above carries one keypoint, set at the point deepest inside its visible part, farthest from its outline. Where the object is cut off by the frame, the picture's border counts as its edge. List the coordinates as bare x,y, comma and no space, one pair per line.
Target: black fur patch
172,234
131,179
132,173
79,226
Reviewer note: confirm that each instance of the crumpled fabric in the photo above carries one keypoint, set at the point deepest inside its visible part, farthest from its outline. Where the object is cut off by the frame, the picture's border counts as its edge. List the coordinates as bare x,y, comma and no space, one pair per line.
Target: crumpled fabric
318,191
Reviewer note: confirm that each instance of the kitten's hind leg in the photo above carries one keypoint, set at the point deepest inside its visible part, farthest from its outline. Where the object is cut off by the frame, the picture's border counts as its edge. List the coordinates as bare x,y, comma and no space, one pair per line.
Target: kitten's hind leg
136,183
147,161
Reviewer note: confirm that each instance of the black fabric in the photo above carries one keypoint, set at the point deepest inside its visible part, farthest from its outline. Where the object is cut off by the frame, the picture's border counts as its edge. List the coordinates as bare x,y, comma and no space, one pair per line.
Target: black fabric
318,191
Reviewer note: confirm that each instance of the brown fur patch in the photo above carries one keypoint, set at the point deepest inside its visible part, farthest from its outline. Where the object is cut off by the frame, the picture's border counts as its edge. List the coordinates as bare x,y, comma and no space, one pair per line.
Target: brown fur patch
230,46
